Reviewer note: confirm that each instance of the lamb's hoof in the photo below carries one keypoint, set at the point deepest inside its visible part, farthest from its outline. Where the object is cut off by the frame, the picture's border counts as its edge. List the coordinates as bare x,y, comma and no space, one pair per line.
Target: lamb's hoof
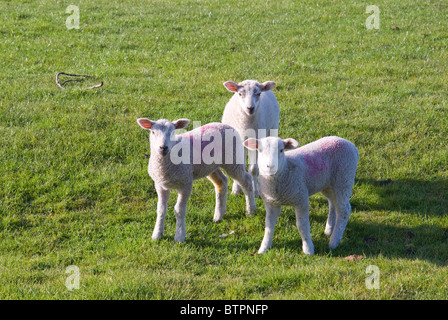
156,237
309,251
180,239
333,246
251,212
334,242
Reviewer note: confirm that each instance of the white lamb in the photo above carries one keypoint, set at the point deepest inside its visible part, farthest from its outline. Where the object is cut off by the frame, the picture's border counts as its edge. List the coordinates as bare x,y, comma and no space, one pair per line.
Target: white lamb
177,160
253,111
327,165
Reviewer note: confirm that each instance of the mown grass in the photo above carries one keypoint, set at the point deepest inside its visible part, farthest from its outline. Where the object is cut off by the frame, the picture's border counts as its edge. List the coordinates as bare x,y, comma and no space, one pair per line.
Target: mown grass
74,188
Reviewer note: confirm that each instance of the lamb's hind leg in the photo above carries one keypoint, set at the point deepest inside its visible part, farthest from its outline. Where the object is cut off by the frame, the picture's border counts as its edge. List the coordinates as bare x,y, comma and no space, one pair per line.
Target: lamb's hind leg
236,188
342,194
343,210
219,180
238,173
329,226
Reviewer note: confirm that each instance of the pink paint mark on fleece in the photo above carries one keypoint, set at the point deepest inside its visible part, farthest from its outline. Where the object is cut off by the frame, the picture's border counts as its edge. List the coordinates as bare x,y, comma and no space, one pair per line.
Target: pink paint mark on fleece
190,135
315,164
195,139
204,129
187,136
318,161
332,145
208,127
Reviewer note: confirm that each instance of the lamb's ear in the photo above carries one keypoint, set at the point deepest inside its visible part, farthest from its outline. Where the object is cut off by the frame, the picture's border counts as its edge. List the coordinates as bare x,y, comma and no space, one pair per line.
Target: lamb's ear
181,123
290,143
251,144
231,86
268,85
145,123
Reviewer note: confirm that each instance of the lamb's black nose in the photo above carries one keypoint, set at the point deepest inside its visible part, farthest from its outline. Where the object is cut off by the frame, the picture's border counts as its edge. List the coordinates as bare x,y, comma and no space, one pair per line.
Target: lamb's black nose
164,150
251,110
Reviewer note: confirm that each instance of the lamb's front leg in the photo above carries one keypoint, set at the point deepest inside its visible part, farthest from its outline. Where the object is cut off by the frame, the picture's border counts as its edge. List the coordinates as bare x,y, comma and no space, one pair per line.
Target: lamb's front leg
163,195
180,209
272,213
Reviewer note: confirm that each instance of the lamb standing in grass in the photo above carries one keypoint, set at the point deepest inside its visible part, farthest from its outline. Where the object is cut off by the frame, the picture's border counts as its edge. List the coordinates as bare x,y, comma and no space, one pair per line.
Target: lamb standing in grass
327,165
253,107
177,160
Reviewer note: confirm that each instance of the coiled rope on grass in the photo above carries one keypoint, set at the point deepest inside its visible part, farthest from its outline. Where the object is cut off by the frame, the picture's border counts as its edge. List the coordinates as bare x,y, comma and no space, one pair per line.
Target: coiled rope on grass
78,78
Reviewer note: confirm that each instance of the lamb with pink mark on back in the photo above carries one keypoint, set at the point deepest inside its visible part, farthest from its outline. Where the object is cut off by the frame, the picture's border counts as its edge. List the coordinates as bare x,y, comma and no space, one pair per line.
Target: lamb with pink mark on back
177,160
327,165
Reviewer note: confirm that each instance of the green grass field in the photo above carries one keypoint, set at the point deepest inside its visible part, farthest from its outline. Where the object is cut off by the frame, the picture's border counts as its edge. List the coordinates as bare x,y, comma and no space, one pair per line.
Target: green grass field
74,189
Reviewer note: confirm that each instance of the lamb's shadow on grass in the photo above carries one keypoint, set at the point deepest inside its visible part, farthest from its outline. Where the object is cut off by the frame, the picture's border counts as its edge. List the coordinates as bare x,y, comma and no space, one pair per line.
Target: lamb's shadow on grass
428,241
425,200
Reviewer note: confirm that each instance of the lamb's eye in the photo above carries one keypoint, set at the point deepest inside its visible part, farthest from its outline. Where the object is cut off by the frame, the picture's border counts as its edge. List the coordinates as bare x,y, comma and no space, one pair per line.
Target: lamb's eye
281,150
258,94
152,132
240,93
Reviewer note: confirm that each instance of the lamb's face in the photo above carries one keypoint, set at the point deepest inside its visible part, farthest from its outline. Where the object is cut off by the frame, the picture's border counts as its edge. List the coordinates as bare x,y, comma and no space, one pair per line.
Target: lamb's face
271,153
162,137
249,93
249,97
